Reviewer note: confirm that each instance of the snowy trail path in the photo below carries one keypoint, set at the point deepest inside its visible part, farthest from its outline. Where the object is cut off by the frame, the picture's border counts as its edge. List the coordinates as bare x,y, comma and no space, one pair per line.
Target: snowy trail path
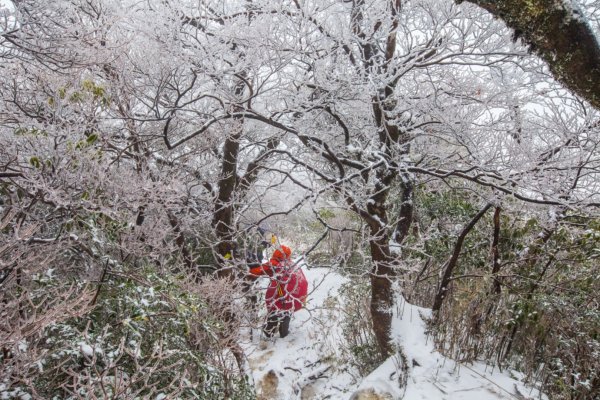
309,363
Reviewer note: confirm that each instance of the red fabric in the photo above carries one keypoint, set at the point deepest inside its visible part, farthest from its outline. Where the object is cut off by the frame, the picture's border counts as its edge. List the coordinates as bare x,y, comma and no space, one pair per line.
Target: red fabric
288,288
283,254
288,293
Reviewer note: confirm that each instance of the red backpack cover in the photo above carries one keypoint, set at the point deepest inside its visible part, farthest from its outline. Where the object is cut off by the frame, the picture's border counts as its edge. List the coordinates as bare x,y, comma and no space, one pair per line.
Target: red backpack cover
287,291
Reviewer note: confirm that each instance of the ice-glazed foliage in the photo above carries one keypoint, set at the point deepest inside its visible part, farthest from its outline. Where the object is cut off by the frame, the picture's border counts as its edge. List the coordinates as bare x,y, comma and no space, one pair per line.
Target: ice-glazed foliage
559,32
156,135
148,335
546,269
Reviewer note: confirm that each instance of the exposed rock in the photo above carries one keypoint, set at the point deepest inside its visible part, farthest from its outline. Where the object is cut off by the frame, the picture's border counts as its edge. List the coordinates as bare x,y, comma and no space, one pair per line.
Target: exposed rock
268,386
308,392
258,362
370,394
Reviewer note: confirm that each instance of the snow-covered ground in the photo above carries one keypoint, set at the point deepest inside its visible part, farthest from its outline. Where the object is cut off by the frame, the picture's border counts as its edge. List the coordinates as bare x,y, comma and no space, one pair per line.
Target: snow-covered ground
310,363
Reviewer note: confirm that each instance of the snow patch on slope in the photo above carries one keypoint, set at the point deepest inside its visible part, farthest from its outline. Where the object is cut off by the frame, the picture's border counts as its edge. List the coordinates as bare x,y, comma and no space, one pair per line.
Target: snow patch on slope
309,363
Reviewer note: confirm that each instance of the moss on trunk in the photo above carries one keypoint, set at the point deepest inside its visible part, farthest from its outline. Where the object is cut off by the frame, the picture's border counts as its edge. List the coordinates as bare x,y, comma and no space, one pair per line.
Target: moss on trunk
559,34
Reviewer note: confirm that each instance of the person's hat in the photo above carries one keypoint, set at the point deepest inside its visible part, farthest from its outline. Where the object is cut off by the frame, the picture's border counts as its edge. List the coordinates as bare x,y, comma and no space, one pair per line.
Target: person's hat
282,253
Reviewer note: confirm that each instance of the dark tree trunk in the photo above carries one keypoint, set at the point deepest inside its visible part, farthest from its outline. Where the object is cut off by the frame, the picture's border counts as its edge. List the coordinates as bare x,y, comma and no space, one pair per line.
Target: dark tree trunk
405,216
224,209
223,216
559,34
533,257
391,139
382,299
452,262
180,241
495,253
382,272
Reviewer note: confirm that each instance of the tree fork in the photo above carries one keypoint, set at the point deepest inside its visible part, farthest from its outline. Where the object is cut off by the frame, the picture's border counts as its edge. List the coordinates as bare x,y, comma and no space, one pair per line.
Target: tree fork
224,210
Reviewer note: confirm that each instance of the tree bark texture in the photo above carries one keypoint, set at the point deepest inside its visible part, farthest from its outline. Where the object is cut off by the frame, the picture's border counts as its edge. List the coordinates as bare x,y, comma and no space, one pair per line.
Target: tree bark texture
557,32
224,210
382,299
180,241
393,141
496,287
382,272
223,217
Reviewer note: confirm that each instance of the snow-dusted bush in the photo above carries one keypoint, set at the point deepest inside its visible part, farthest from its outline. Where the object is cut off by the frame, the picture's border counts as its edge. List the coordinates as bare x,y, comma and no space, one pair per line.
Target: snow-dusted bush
360,346
148,336
537,313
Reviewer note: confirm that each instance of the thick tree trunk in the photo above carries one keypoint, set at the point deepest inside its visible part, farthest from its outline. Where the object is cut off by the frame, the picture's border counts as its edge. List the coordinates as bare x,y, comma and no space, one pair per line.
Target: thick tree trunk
382,299
223,217
224,209
382,272
557,32
390,139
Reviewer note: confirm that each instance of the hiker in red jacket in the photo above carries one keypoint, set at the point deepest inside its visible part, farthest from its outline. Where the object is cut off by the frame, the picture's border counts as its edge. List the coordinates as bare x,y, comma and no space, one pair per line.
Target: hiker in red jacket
286,292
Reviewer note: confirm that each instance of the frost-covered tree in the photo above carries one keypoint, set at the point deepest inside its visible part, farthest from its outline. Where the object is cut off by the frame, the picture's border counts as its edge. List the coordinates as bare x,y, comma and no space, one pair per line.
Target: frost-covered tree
98,214
563,34
372,96
141,136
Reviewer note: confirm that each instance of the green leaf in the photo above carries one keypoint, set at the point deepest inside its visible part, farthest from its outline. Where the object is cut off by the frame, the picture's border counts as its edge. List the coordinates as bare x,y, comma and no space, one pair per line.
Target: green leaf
35,162
91,139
